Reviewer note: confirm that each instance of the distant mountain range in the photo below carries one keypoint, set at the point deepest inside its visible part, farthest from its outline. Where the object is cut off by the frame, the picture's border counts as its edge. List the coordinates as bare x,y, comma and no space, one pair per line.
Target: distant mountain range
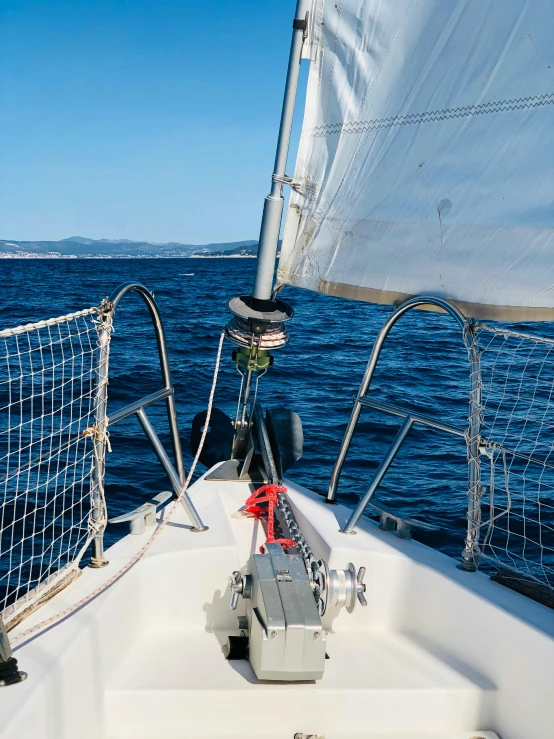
79,246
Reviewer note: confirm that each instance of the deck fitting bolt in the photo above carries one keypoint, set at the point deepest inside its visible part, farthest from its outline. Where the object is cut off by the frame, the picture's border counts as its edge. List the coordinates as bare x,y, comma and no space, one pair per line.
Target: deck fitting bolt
273,634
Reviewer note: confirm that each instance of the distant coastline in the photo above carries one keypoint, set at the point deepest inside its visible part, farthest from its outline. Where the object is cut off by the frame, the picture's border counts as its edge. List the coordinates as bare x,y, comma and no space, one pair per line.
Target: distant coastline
31,255
80,247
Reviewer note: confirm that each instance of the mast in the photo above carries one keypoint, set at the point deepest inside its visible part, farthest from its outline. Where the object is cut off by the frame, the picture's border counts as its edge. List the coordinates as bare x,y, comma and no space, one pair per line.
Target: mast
258,323
273,205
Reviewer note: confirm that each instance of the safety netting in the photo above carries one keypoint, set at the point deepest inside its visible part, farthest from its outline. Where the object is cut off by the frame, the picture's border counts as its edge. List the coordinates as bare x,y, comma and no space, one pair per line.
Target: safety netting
48,379
517,452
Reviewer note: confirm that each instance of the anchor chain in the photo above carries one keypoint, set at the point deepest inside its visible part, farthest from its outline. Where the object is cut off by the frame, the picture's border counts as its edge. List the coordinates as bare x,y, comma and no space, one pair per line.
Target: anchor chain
313,565
332,589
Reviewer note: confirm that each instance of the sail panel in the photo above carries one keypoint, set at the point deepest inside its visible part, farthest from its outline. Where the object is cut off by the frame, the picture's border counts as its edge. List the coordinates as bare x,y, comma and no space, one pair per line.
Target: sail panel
425,163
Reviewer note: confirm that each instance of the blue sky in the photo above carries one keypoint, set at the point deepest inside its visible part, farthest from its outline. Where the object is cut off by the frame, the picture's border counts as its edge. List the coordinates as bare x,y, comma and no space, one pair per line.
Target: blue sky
139,119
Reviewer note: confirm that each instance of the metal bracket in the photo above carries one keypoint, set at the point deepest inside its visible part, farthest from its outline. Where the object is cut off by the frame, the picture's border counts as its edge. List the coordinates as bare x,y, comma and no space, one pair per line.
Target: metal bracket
259,462
300,24
402,527
233,470
144,515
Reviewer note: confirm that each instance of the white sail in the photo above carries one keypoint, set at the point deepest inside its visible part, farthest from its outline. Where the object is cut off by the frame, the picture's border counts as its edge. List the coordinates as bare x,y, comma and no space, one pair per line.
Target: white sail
426,160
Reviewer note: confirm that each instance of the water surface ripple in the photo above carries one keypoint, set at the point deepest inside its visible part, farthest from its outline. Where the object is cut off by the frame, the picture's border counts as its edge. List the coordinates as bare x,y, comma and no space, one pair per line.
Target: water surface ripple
423,367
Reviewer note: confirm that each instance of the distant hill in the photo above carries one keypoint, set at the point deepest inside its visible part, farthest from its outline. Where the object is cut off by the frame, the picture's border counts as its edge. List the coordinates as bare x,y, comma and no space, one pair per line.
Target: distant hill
79,246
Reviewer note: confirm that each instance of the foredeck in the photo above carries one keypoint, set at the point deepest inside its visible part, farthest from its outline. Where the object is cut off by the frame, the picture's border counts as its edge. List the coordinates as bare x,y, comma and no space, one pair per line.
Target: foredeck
428,657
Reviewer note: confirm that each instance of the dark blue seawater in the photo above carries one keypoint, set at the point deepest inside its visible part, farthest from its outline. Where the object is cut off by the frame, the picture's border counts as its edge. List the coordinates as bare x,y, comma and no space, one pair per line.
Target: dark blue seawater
423,367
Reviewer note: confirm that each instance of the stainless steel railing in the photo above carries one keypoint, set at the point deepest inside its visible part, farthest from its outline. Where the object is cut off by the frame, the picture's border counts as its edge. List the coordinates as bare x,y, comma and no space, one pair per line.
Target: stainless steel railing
410,418
176,471
471,434
98,432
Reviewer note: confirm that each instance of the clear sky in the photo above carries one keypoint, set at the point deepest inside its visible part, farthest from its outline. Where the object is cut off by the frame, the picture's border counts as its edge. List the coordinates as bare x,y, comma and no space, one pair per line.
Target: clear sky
139,119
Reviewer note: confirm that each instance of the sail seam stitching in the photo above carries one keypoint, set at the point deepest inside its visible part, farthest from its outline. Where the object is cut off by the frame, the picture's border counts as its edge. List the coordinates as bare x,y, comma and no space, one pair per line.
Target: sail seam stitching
502,106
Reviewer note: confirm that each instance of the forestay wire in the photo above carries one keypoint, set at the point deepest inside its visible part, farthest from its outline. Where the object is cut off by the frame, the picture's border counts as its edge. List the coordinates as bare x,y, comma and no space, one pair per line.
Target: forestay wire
517,432
48,375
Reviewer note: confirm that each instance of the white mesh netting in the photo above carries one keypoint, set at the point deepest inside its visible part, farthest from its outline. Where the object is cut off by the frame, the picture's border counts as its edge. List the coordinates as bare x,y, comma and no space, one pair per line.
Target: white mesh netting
48,374
517,459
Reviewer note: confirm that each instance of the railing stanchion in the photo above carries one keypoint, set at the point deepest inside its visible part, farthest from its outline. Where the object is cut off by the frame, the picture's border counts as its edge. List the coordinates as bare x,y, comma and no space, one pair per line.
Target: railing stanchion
381,472
473,434
474,493
370,369
175,473
176,481
99,515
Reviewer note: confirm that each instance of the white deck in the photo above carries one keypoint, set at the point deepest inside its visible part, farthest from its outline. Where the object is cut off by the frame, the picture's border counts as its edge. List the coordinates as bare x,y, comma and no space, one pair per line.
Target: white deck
438,653
378,684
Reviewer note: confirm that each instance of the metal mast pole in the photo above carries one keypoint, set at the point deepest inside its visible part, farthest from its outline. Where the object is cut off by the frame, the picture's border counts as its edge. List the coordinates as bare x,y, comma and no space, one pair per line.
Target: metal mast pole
258,322
273,206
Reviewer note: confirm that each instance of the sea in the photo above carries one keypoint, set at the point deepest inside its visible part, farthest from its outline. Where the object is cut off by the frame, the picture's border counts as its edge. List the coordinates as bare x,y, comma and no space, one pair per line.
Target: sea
423,368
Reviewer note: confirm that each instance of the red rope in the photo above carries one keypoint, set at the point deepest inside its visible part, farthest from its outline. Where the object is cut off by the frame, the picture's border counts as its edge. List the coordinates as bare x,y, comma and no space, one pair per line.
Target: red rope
268,494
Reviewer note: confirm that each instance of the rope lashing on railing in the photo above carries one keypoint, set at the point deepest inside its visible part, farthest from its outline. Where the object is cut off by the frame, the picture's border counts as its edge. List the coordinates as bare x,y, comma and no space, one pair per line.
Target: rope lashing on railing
267,494
96,432
99,514
79,604
489,450
5,333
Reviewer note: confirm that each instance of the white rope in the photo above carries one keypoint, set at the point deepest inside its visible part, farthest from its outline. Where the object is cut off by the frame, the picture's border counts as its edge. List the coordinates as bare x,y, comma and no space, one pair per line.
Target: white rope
79,604
207,421
507,333
5,333
274,338
489,452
